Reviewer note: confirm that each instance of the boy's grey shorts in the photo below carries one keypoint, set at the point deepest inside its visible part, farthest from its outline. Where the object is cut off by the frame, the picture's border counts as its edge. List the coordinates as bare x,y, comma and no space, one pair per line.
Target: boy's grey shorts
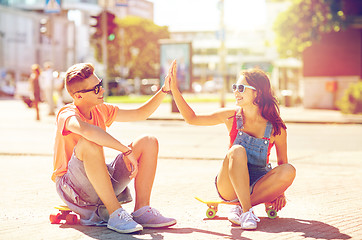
78,193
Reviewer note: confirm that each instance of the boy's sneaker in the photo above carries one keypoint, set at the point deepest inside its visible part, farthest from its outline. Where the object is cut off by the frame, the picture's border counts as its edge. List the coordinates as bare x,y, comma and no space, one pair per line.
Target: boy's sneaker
152,218
122,222
235,213
248,220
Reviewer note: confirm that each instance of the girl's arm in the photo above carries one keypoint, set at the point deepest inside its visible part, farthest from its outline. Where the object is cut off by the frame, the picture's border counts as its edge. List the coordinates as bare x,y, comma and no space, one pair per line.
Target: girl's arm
281,150
281,147
216,117
144,111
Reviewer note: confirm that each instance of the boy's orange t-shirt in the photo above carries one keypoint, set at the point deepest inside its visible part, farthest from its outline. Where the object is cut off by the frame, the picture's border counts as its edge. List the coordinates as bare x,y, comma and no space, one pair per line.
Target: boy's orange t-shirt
103,116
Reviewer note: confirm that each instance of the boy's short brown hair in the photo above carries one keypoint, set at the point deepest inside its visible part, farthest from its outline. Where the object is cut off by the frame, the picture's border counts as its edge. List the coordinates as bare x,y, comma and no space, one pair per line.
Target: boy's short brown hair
76,74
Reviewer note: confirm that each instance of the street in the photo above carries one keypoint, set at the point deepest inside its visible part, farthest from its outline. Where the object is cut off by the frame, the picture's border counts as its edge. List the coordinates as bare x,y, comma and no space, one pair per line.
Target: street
323,203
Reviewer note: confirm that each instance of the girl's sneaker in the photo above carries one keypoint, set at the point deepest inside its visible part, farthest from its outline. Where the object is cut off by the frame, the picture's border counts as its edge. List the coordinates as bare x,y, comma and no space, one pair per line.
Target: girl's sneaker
235,214
248,220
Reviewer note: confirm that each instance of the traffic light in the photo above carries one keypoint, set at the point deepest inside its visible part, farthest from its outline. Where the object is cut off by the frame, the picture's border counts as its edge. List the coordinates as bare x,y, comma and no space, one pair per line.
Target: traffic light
111,31
111,26
45,28
97,25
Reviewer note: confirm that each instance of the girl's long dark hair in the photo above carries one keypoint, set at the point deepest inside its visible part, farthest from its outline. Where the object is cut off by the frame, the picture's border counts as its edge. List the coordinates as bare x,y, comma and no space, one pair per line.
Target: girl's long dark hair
265,100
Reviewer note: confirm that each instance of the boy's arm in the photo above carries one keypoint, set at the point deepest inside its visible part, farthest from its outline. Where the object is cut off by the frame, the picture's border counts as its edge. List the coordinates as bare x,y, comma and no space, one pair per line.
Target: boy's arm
93,133
144,111
99,136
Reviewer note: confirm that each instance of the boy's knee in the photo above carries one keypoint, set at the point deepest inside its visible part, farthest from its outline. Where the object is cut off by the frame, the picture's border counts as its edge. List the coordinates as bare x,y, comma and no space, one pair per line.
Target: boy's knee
149,140
85,148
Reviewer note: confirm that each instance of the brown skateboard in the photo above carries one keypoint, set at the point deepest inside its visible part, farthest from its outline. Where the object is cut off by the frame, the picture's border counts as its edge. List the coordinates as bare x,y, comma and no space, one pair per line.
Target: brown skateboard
64,213
213,207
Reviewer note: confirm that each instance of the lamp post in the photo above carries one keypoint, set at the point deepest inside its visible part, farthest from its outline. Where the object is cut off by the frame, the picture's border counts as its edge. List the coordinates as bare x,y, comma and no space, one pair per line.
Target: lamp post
222,53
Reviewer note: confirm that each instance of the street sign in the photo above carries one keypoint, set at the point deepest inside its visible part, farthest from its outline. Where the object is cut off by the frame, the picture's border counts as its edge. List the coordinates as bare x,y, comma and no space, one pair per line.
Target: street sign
122,3
52,6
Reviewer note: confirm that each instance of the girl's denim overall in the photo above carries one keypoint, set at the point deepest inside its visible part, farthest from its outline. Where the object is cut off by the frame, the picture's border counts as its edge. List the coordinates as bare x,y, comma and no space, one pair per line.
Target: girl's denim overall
256,151
256,148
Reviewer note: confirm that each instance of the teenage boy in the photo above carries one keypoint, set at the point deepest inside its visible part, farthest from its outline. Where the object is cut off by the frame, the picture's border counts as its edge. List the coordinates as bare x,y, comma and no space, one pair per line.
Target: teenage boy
89,186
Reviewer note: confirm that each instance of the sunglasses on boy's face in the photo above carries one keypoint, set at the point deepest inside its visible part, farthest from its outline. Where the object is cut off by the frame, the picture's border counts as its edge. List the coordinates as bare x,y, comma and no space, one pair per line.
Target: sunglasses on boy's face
241,87
96,89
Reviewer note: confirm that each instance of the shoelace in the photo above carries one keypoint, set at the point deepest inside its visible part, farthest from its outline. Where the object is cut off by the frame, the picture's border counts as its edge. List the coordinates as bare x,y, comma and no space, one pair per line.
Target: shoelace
125,216
154,211
237,210
250,216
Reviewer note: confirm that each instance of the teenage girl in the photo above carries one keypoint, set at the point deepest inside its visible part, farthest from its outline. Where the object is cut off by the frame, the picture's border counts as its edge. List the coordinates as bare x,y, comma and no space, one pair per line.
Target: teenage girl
254,126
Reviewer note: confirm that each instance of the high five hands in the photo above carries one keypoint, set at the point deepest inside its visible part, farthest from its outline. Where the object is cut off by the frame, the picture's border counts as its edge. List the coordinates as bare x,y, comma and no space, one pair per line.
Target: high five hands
170,79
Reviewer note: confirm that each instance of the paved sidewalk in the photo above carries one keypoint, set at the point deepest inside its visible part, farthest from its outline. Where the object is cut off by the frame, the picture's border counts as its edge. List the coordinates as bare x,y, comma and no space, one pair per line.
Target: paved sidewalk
324,202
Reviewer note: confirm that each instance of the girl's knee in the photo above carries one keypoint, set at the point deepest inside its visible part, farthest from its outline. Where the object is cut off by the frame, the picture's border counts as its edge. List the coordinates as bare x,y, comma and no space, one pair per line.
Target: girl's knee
236,151
287,172
236,157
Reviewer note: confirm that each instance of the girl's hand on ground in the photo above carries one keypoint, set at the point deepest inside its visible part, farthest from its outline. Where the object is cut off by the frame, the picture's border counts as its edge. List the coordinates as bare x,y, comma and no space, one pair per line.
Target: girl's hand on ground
279,202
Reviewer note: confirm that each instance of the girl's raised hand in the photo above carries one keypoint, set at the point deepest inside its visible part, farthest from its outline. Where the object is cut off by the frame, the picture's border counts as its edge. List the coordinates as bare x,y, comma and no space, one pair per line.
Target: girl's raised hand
174,76
167,83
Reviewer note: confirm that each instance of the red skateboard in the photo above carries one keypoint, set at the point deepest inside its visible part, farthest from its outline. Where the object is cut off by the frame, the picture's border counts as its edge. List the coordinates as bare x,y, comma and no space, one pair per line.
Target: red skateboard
64,213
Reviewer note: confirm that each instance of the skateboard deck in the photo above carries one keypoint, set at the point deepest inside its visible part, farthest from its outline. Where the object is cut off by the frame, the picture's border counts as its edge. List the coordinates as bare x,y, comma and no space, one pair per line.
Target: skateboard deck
64,213
213,208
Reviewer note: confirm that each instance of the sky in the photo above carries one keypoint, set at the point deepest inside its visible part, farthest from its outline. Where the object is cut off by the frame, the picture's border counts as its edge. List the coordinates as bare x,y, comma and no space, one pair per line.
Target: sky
205,14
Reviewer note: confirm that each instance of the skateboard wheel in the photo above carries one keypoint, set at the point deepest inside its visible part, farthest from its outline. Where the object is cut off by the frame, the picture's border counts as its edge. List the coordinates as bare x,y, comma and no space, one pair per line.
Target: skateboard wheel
210,213
54,218
71,219
272,213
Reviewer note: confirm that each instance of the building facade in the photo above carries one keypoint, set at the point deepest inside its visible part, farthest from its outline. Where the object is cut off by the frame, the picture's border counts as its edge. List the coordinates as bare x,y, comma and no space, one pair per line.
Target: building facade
60,35
331,64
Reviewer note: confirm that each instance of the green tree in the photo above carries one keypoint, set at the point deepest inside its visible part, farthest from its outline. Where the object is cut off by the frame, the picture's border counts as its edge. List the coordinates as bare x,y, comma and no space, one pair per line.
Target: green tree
141,48
304,22
138,37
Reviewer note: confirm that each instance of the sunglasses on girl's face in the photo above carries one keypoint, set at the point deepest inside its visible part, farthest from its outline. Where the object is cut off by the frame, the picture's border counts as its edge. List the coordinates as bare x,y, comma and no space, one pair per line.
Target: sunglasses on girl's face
96,89
241,87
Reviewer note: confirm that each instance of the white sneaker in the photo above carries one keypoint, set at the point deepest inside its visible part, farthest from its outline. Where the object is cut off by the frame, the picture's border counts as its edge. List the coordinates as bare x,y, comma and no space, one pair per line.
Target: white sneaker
235,214
248,220
122,222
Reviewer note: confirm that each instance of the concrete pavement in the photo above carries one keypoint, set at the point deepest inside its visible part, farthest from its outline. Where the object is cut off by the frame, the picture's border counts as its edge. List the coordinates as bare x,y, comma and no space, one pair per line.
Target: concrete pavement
323,203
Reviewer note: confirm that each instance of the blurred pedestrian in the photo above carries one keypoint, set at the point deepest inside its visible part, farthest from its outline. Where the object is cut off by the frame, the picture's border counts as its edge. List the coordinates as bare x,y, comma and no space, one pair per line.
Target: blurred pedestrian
47,84
254,126
34,85
83,179
59,87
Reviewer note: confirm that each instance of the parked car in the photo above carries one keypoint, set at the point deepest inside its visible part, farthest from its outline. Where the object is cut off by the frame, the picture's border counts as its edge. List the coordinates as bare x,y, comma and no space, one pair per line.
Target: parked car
212,86
119,87
150,86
